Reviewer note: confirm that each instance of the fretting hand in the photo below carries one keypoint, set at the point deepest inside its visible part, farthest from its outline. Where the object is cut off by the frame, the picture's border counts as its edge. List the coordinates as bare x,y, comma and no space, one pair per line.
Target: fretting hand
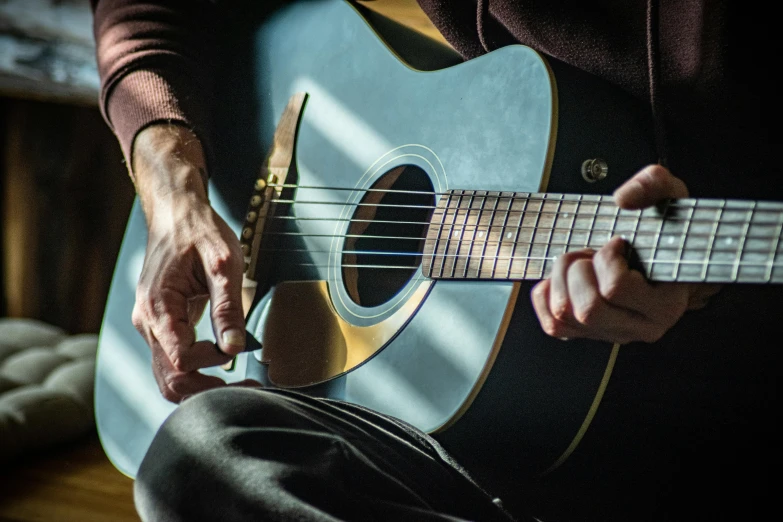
596,295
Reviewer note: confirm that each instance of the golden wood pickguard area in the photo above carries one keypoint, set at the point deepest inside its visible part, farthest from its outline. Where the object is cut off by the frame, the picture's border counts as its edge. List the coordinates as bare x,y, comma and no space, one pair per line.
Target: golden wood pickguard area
302,321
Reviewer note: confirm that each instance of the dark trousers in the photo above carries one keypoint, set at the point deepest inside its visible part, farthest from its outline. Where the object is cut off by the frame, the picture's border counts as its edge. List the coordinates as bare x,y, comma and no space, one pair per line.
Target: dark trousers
238,454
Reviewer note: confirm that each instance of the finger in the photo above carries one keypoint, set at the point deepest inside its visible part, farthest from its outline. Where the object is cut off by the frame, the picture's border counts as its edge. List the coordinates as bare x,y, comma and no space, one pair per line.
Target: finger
160,314
618,284
196,307
602,320
631,327
174,385
201,354
660,305
649,186
223,266
540,298
173,330
559,302
700,294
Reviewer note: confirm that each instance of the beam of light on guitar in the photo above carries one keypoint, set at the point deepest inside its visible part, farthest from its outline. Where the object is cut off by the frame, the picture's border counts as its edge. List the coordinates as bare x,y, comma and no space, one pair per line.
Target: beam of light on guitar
340,126
423,385
122,367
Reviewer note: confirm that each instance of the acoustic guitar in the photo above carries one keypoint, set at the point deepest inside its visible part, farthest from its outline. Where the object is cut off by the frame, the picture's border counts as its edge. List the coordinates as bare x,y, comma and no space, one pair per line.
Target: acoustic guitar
406,201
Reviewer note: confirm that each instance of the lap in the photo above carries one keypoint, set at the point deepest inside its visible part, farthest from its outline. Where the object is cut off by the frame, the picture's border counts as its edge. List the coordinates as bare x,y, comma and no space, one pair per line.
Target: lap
235,453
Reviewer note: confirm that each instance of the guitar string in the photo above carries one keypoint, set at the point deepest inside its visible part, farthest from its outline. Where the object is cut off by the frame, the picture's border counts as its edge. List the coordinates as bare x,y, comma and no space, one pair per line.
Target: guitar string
626,214
654,219
552,197
544,260
671,205
467,256
602,200
537,228
544,265
471,243
636,215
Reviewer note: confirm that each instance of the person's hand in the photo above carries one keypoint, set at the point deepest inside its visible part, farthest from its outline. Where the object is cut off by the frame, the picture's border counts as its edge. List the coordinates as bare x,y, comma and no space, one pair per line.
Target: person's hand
192,257
596,295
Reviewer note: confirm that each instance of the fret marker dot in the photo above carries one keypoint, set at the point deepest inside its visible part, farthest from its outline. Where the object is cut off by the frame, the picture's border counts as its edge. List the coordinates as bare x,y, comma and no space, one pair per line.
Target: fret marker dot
456,233
508,236
670,240
481,234
729,240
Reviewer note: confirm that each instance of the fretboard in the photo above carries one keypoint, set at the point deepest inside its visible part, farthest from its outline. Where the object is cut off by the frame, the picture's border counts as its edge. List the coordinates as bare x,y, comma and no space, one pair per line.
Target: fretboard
517,235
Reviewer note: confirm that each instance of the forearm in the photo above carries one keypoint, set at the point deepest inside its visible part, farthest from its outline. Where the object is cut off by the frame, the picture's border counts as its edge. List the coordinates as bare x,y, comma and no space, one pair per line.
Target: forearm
169,169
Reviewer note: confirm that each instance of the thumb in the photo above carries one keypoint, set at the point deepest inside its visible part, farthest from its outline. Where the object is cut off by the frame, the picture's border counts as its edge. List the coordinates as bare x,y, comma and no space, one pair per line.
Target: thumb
649,186
224,281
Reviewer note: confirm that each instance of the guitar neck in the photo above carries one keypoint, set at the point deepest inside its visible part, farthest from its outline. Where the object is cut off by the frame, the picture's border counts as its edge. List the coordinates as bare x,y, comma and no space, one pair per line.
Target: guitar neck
517,236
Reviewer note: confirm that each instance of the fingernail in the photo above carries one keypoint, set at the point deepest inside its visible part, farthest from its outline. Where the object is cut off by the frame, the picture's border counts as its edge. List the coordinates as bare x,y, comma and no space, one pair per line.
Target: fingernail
234,337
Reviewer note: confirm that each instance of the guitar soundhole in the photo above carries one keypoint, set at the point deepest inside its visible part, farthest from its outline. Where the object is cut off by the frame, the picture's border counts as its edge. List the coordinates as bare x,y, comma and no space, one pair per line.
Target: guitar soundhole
386,235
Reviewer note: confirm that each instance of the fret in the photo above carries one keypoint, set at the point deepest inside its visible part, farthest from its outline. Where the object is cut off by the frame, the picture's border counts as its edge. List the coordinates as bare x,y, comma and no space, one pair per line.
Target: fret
614,221
548,261
680,249
725,250
761,236
604,223
632,219
592,225
429,268
535,218
450,229
429,243
741,243
540,237
474,260
484,235
698,239
774,248
570,226
517,230
584,221
437,271
499,230
465,226
677,219
711,241
452,254
648,256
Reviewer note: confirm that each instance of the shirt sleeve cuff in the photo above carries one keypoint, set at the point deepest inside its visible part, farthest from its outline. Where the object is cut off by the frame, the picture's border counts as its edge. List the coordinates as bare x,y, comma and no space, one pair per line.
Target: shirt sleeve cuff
144,97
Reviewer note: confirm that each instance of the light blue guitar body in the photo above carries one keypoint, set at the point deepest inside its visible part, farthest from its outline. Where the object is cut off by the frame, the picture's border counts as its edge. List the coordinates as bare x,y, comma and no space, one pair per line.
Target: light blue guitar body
462,358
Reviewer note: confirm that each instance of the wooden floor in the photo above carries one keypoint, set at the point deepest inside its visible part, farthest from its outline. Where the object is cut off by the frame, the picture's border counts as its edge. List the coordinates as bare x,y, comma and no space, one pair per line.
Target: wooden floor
75,483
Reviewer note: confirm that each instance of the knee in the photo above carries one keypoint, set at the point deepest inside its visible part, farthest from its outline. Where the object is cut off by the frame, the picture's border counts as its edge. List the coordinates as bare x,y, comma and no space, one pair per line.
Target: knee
188,451
191,456
207,415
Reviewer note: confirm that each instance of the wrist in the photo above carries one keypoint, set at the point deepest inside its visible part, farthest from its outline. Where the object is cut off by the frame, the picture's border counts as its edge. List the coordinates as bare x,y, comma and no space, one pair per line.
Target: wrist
168,167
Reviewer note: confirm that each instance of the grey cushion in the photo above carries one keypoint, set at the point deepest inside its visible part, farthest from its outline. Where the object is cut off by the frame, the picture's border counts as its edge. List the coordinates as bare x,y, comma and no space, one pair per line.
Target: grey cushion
46,386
